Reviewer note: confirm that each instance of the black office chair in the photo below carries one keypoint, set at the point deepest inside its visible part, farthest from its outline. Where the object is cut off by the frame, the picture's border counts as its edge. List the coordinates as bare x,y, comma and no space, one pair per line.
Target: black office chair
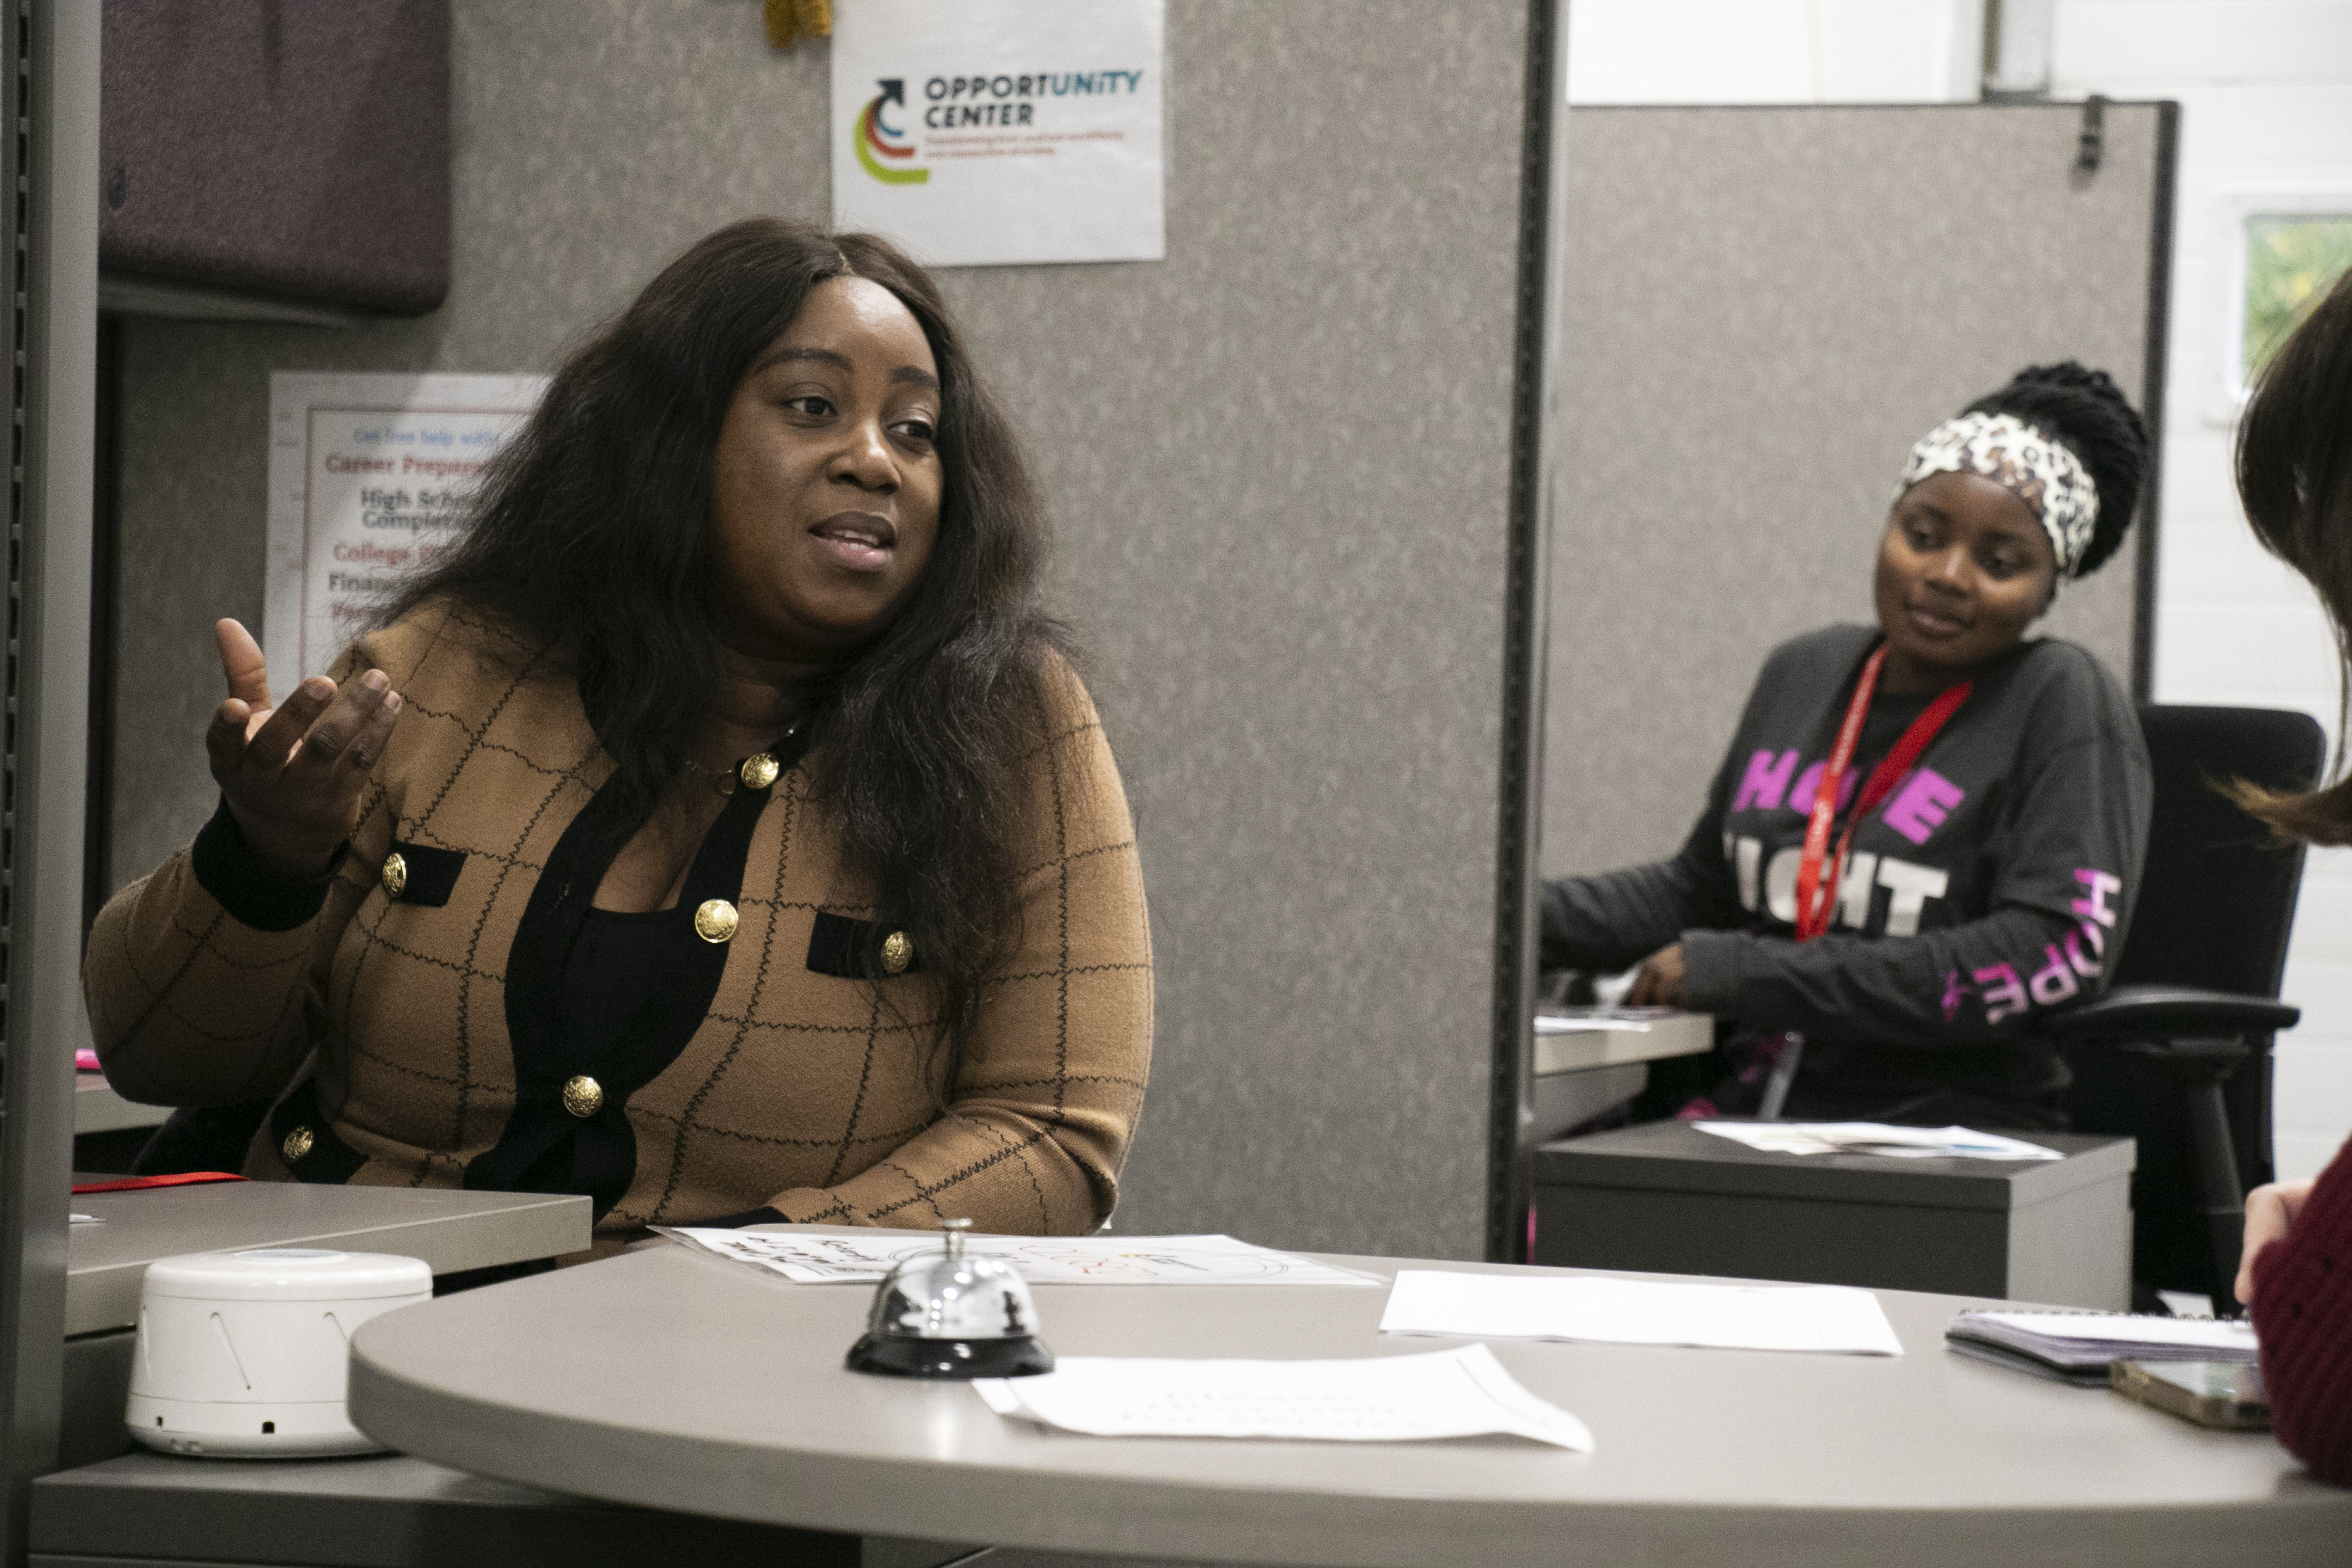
2177,1053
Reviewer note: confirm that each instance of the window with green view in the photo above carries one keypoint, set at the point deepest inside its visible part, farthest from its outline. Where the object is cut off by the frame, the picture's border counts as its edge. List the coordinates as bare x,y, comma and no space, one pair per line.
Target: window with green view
2289,263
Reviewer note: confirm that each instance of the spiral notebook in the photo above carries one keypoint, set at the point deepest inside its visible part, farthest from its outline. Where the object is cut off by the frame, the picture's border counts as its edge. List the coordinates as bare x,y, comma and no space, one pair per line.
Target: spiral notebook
2079,1347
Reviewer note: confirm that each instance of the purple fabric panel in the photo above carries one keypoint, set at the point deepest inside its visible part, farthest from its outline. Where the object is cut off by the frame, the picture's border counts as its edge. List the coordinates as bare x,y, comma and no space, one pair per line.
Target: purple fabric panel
281,147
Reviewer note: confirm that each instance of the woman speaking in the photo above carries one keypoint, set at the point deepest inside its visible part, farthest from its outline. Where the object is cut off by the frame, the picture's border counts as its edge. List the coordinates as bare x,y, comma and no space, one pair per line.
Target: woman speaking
1926,835
719,832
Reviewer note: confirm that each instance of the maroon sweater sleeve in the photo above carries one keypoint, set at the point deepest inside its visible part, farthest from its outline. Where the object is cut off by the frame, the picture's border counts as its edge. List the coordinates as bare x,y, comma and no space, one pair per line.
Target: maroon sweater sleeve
2303,1318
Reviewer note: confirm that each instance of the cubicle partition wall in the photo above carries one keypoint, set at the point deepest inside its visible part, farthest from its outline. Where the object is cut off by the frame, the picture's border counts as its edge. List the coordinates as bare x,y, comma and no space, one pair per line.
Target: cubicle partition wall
48,81
1282,466
1766,307
1281,463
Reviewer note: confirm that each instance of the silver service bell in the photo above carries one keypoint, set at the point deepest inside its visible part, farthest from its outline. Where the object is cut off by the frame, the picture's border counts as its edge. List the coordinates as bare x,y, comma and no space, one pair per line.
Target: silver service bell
949,1314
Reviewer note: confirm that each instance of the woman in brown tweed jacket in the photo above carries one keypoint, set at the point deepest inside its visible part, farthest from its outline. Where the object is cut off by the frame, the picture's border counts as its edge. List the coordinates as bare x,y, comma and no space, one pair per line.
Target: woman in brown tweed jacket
718,831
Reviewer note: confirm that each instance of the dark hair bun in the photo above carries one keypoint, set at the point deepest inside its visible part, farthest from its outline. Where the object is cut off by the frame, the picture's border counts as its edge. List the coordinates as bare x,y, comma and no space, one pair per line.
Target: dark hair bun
2084,410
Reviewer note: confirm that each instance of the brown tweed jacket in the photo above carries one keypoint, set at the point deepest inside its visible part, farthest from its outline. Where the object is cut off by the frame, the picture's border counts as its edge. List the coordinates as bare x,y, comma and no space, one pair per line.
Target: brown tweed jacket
382,1024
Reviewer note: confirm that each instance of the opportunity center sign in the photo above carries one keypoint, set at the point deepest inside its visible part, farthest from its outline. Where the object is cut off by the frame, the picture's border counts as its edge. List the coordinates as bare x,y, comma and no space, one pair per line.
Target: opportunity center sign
994,132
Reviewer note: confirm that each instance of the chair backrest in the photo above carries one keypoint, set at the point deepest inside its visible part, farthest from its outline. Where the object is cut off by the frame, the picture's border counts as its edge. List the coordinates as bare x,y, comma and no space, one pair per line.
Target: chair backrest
2215,909
2216,896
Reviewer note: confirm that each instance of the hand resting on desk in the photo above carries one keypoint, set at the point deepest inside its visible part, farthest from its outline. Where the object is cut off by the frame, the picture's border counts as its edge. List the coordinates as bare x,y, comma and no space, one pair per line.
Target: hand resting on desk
1659,982
2271,1212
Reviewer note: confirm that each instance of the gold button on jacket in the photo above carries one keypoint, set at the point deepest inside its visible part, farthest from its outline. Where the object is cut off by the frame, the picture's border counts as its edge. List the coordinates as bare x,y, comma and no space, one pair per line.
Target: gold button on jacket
297,1144
716,921
759,770
583,1096
396,875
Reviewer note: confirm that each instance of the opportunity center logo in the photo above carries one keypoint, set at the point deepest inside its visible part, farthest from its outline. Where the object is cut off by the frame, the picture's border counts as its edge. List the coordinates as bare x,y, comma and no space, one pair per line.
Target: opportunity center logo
873,135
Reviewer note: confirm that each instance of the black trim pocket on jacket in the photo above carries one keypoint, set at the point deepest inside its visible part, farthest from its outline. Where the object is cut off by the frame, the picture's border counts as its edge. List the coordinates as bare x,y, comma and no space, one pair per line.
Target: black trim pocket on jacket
307,1145
432,874
851,950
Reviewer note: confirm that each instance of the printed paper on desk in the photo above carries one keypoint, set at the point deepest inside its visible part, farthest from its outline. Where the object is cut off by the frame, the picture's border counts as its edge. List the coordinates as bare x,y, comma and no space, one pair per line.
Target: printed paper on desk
1876,1138
1831,1318
1460,1393
816,1259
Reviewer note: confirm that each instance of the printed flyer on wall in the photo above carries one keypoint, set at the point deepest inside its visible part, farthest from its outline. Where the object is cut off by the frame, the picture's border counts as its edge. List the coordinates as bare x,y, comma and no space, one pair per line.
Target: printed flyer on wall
369,478
980,132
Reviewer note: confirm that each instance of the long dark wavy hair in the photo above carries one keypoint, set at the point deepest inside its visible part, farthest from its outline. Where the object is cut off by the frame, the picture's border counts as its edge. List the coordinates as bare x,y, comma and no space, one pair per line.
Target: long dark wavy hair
593,535
2295,478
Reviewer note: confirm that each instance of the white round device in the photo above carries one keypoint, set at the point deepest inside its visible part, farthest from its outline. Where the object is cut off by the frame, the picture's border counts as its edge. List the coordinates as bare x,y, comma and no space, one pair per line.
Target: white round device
246,1354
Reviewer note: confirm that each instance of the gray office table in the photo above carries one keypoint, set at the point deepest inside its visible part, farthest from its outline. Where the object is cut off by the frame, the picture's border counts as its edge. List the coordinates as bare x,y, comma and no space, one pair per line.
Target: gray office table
1578,1076
169,1511
451,1231
675,1380
107,1262
1586,1049
98,1109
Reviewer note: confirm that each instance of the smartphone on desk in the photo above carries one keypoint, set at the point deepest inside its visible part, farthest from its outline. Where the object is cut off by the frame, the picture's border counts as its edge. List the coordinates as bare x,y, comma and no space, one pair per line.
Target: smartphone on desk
2224,1393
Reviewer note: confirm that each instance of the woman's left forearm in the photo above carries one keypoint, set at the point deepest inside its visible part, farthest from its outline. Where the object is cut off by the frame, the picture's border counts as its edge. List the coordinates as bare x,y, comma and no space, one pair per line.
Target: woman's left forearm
1024,1172
1971,985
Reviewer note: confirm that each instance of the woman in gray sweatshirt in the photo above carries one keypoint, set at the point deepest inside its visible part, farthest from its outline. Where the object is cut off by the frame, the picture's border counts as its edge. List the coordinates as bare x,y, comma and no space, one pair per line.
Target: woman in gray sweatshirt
1925,834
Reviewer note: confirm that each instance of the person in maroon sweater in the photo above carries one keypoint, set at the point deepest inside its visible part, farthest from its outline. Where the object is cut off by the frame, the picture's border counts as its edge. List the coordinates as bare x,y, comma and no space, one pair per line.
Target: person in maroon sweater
2297,1278
2294,475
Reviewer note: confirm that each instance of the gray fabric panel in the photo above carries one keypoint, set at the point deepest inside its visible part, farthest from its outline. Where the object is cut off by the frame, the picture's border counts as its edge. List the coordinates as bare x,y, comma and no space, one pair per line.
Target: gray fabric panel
594,140
1278,464
283,150
1767,306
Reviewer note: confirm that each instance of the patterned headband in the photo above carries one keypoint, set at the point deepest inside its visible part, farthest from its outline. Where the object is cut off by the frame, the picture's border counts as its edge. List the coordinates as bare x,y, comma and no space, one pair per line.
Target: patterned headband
2023,461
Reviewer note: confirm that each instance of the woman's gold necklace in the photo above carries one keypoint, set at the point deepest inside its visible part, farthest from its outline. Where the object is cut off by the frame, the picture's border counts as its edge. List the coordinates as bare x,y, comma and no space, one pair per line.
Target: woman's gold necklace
759,770
721,780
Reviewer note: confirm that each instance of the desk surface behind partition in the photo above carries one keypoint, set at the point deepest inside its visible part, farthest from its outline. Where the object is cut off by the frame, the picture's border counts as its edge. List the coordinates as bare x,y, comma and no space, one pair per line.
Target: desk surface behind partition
452,1231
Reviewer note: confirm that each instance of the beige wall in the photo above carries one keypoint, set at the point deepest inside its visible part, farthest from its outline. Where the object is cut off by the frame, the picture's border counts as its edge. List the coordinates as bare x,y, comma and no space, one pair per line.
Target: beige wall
2266,124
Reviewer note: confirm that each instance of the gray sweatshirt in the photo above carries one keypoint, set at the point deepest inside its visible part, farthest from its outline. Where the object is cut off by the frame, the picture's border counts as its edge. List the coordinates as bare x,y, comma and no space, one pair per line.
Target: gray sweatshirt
1993,885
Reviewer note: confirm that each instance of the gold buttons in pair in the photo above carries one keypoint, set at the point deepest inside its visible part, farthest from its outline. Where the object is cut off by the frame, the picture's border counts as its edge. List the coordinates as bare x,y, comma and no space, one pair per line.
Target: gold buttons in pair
297,1144
396,875
583,1096
898,952
759,770
715,921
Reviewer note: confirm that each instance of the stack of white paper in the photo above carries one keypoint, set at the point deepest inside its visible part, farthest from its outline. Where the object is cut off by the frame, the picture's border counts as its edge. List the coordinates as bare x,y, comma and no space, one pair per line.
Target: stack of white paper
2096,1338
1462,1392
814,1258
1836,1318
1876,1138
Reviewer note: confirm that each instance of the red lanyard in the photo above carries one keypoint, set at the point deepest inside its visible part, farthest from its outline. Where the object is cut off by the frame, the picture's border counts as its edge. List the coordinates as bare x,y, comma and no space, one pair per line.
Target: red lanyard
1815,897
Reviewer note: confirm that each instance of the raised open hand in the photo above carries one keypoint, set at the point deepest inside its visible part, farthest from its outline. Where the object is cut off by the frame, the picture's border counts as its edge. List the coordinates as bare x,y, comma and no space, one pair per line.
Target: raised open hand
292,774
